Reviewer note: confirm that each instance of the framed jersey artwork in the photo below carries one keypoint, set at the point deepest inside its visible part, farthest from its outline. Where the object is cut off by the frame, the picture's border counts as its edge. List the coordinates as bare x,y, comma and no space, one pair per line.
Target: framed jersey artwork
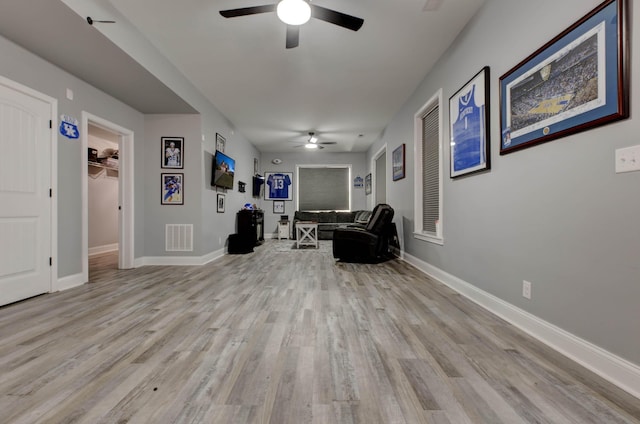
172,152
469,126
278,186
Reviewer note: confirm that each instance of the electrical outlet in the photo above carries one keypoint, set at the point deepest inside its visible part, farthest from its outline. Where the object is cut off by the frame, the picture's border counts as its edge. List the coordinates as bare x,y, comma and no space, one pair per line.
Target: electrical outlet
628,159
526,289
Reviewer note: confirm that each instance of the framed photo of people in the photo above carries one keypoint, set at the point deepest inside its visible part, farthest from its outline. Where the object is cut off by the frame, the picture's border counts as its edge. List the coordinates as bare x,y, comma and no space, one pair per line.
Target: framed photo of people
172,152
172,189
577,81
220,202
469,126
278,186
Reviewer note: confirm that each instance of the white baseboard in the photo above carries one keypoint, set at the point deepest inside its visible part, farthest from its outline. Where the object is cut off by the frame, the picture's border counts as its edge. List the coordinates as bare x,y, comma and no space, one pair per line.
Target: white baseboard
103,249
69,282
179,260
616,370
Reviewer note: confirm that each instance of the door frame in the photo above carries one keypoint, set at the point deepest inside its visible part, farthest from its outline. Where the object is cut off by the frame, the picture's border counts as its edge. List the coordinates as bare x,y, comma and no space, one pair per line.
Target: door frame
53,177
125,192
374,174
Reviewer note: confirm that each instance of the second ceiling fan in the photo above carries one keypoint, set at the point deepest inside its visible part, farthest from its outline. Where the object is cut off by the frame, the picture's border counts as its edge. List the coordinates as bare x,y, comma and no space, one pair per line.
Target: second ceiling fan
313,142
295,13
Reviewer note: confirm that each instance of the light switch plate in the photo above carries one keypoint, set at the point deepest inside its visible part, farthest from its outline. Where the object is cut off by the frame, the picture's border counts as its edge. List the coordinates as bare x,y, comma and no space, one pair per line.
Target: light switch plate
628,159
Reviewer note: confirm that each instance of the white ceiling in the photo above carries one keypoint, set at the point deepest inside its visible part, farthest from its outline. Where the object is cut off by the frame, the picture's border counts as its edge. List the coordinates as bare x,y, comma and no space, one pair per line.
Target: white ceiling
56,33
344,85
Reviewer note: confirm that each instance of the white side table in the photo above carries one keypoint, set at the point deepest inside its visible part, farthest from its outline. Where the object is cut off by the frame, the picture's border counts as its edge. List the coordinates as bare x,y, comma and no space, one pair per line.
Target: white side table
283,230
306,234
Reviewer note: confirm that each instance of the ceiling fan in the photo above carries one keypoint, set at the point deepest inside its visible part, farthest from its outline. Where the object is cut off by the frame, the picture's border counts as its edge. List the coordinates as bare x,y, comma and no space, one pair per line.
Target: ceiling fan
313,142
295,13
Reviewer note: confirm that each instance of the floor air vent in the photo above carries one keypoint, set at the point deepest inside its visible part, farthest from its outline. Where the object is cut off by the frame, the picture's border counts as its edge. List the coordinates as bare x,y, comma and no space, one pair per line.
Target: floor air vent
179,237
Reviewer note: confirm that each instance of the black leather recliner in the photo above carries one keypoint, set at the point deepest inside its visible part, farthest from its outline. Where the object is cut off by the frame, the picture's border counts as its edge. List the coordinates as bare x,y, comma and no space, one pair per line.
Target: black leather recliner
368,244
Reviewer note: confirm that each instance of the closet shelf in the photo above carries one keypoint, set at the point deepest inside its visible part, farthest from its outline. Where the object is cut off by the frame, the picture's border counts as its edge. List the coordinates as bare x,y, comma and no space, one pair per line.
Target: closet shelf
97,169
100,165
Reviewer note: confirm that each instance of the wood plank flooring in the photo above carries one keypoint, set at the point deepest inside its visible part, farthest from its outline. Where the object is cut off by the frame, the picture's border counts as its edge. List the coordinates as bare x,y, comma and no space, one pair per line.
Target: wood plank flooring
283,337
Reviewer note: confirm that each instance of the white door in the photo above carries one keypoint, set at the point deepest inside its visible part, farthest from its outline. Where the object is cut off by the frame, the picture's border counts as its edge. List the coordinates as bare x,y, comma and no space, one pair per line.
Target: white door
25,203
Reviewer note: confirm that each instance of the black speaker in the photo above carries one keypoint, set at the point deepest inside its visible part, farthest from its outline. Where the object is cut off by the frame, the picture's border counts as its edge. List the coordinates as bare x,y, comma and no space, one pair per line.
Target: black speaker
240,243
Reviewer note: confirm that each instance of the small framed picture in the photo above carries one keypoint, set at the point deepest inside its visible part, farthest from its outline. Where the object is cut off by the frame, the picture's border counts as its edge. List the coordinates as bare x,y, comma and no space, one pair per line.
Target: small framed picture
172,152
367,184
278,206
220,142
221,200
398,163
172,189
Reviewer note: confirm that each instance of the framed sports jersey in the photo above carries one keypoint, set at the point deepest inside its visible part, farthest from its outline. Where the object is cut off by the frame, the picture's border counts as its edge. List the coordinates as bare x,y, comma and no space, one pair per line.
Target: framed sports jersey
469,126
172,152
278,186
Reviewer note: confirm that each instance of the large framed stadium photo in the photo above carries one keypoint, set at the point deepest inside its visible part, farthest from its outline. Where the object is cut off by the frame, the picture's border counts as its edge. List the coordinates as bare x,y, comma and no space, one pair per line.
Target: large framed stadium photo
279,186
578,80
469,126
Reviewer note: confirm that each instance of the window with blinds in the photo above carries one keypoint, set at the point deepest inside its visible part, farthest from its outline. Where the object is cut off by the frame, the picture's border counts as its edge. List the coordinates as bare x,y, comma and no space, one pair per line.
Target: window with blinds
430,171
324,188
428,195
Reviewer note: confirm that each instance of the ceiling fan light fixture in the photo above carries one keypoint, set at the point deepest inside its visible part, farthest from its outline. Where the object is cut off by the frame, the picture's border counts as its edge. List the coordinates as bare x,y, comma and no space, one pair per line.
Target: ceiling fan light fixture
293,12
311,146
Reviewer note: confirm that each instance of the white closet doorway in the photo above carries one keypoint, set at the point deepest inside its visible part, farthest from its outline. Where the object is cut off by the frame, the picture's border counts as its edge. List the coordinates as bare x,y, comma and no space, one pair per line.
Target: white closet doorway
102,196
108,194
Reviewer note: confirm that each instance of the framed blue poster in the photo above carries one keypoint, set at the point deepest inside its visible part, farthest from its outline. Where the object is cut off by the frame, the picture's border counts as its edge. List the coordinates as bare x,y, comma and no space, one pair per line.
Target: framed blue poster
398,162
278,186
578,80
469,126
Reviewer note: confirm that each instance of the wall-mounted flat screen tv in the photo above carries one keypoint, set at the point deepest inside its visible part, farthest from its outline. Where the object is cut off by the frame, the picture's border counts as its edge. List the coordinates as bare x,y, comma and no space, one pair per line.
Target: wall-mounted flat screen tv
223,169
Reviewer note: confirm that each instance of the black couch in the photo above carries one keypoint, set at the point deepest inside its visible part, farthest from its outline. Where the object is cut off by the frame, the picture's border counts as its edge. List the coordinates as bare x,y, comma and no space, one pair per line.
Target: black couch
367,244
330,221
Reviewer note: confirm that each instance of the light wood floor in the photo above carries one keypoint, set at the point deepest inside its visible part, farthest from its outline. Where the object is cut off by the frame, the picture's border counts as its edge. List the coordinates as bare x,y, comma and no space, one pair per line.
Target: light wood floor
283,337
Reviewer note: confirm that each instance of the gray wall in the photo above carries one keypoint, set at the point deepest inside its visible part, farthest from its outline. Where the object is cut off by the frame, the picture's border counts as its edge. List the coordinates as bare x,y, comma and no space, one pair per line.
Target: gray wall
25,68
218,226
157,215
555,214
291,160
210,229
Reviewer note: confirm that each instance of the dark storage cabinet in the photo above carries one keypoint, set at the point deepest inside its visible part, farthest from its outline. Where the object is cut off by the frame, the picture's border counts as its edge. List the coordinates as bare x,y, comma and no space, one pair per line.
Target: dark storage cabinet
251,226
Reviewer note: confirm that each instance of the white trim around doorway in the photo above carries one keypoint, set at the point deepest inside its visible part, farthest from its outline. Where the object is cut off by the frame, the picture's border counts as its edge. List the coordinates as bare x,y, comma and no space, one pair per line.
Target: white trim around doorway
374,158
125,193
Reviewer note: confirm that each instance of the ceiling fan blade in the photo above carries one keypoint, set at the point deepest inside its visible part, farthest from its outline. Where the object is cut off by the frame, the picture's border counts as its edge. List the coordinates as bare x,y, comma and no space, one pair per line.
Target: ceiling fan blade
327,142
317,146
293,36
336,18
244,11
